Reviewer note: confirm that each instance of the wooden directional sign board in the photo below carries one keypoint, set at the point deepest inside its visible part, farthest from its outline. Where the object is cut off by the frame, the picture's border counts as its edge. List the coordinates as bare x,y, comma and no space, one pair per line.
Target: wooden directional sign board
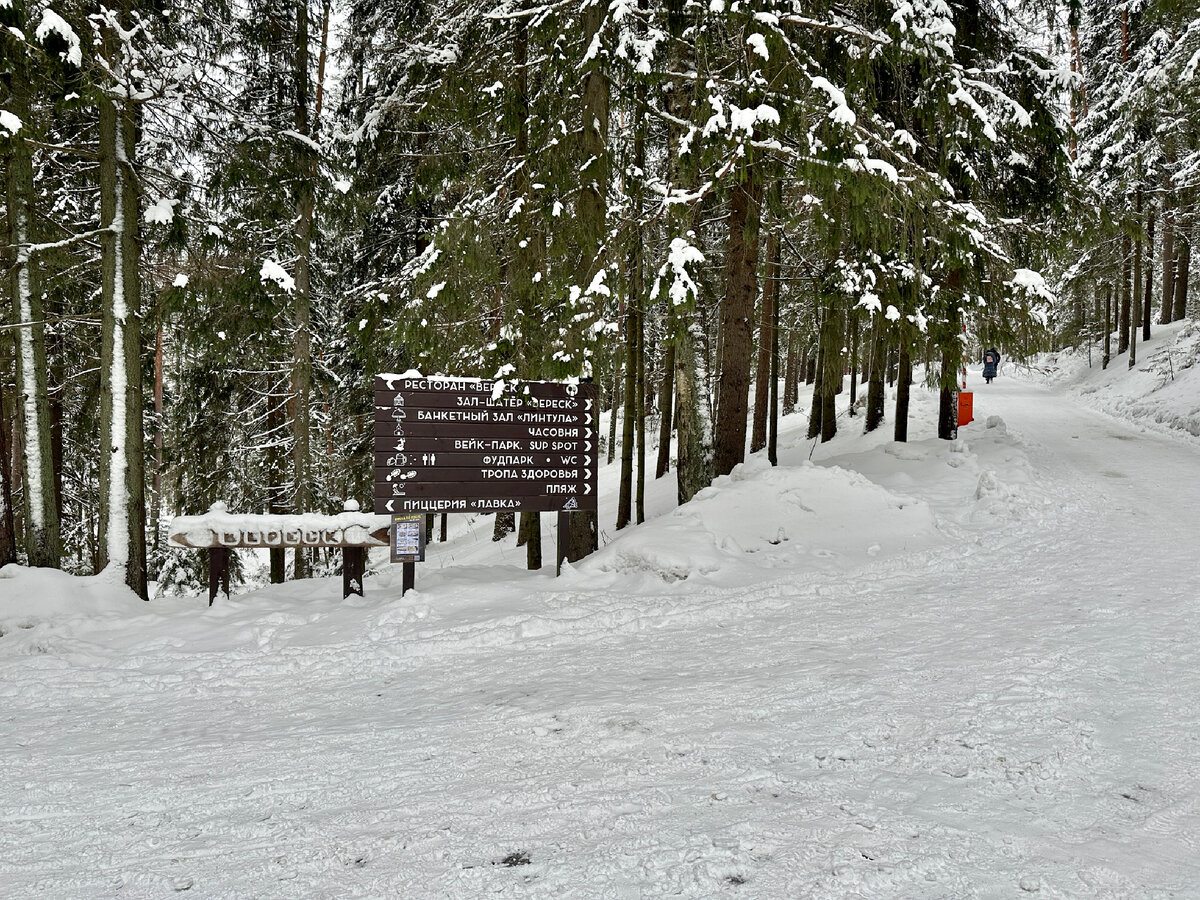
462,445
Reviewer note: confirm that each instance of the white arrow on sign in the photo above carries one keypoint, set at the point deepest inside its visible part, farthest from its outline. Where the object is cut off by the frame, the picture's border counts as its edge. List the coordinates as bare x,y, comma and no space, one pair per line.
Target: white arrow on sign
587,445
587,473
587,488
388,505
587,405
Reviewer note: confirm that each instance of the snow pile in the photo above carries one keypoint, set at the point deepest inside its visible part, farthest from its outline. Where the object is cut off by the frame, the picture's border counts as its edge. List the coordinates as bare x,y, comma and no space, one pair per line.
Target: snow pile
31,598
761,517
1162,392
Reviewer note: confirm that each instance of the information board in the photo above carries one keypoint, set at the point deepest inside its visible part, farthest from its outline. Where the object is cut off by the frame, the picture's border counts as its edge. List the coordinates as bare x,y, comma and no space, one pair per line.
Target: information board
465,445
408,538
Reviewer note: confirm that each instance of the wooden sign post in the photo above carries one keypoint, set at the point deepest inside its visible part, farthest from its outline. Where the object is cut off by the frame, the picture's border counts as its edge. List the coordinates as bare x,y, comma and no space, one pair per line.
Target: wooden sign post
470,445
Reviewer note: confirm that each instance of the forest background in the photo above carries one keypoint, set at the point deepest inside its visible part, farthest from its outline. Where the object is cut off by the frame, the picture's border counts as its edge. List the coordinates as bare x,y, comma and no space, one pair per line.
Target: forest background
221,219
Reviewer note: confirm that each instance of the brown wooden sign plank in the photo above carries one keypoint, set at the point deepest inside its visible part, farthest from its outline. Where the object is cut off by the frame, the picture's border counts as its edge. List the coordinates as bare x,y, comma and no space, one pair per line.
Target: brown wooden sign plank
439,457
415,416
569,432
407,444
486,387
484,474
563,488
483,504
445,400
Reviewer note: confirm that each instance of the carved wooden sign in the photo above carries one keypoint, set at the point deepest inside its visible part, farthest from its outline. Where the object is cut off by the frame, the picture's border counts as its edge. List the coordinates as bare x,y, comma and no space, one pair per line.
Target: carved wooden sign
219,532
217,528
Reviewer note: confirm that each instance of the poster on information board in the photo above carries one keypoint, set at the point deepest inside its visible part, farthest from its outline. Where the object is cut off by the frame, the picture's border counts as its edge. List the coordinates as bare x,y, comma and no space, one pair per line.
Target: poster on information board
408,538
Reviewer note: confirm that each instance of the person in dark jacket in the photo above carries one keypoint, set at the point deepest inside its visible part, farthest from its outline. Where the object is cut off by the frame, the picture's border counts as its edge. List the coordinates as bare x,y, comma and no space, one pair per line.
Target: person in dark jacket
991,364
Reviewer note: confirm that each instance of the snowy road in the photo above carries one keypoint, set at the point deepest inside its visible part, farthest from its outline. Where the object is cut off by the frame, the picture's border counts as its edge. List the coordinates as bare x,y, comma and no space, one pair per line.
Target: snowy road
852,704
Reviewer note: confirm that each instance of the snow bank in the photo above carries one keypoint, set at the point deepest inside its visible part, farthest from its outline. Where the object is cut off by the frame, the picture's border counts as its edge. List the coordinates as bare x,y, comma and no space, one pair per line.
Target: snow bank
1162,392
761,517
32,598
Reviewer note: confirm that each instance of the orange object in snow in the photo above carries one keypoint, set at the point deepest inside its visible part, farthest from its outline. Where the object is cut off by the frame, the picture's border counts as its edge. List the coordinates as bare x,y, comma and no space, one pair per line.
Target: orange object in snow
966,408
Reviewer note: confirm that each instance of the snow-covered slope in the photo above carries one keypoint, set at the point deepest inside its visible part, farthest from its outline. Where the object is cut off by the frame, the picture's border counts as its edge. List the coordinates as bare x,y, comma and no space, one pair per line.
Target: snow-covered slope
1162,391
928,670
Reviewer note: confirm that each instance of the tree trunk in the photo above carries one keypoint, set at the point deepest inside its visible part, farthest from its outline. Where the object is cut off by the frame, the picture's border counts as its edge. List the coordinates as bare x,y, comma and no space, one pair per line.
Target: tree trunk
302,501
504,525
766,318
277,478
903,392
156,480
1183,243
791,374
1107,328
1148,299
691,468
8,533
628,420
1135,302
1168,262
737,316
816,410
875,398
591,214
951,365
613,407
43,545
666,397
853,345
640,397
530,534
122,481
773,439
1123,300
832,336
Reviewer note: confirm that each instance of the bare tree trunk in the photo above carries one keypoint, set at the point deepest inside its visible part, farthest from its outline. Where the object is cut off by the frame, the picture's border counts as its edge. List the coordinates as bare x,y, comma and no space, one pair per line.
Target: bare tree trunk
591,214
903,391
302,298
276,472
156,481
951,364
1107,328
1168,262
530,534
8,532
1135,303
1148,300
852,343
505,524
122,480
816,410
1123,313
737,314
666,397
1183,243
766,318
40,513
628,420
875,398
791,374
832,336
691,468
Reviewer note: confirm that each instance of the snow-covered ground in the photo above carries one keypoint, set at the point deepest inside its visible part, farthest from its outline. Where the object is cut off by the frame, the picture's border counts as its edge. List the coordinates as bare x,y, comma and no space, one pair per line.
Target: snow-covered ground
931,670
